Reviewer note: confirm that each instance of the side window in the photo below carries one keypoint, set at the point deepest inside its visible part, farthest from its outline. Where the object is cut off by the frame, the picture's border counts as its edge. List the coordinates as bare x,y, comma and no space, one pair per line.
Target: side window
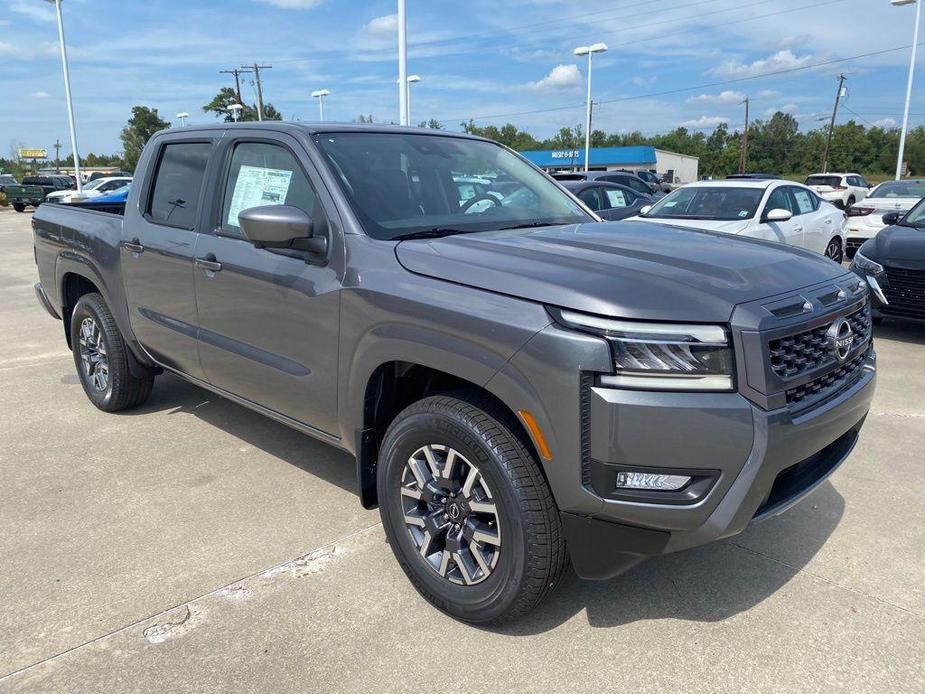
616,198
590,197
803,201
264,174
178,184
779,200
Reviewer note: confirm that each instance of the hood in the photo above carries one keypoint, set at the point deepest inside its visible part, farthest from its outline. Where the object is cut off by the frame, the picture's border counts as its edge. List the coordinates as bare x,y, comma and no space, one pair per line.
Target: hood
732,226
897,243
889,204
621,269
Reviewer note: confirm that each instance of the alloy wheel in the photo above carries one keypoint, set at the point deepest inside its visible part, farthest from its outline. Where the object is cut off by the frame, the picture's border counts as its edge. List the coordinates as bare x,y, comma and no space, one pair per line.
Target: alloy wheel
833,251
93,356
450,514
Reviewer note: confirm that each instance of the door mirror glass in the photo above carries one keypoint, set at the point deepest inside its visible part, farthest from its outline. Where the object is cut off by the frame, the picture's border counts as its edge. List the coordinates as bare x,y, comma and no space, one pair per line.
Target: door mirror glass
892,218
778,215
275,226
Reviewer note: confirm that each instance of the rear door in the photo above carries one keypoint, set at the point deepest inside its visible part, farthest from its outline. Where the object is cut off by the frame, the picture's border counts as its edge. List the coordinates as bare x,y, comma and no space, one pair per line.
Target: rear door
269,318
816,219
158,249
618,203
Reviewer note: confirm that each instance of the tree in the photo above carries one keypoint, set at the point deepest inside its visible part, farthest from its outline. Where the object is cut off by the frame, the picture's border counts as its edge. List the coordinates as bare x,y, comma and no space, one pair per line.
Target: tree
227,96
141,126
433,124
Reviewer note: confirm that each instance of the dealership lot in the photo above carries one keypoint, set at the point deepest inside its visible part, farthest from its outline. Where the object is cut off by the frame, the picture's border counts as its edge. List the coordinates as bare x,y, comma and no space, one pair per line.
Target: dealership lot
194,545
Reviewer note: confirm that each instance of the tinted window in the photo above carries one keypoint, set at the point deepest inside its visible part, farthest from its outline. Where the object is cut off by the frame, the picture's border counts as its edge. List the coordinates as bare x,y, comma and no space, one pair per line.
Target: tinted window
804,201
178,183
37,181
719,203
833,181
899,189
629,181
779,200
263,174
591,198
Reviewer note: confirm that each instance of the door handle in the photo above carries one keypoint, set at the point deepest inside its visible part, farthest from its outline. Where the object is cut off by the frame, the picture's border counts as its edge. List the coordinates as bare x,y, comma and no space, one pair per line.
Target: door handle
134,246
208,263
798,228
828,220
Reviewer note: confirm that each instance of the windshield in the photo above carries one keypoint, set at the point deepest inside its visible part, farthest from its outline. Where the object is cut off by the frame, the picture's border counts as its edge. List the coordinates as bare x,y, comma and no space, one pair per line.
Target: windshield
718,203
400,184
94,184
915,217
833,181
899,189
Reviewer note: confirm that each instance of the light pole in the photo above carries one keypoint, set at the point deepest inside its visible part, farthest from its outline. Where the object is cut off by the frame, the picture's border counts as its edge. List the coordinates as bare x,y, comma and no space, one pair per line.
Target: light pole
67,94
412,79
235,110
402,64
915,43
182,118
320,94
589,51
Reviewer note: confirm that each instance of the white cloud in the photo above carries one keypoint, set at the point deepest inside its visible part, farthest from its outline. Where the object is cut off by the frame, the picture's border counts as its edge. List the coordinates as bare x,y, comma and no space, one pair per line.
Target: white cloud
782,60
34,10
39,95
767,94
886,123
704,122
560,77
382,26
641,81
292,4
726,97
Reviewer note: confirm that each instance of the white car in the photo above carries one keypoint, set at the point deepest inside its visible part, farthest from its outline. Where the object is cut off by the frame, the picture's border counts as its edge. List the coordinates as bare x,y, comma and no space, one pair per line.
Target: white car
841,189
865,220
774,210
93,189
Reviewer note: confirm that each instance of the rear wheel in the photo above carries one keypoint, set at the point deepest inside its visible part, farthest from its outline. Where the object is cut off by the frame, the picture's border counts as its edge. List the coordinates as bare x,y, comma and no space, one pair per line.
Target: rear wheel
466,509
19,207
850,202
102,358
834,250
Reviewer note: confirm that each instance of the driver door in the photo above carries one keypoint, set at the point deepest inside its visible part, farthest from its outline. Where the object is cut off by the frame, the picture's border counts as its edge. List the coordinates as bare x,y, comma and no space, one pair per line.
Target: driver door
789,232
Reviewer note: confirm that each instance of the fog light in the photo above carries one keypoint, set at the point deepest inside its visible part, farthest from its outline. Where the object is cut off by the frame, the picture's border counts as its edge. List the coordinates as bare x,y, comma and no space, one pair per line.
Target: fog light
648,480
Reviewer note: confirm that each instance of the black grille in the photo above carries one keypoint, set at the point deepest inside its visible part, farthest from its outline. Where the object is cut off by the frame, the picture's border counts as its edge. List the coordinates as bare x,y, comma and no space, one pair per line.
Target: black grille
905,292
827,385
807,350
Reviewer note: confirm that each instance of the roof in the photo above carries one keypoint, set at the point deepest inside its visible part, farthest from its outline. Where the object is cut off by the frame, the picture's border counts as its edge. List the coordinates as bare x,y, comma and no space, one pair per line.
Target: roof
835,173
740,183
319,127
637,155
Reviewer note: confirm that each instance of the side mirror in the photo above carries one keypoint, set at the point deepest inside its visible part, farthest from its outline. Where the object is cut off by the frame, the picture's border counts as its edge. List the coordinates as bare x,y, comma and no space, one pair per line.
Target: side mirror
891,218
281,226
778,214
644,210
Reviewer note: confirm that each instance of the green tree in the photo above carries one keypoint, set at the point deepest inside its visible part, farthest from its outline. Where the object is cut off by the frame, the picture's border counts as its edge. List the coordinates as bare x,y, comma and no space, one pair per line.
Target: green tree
141,126
227,96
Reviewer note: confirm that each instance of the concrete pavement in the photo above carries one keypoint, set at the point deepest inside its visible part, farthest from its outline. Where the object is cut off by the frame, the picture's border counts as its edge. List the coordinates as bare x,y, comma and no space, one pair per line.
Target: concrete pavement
192,545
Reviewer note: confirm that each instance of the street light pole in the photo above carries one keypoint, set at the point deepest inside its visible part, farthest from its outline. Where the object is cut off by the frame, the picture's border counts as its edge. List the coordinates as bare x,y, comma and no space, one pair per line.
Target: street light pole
590,51
320,94
235,111
402,64
412,79
67,95
182,118
915,44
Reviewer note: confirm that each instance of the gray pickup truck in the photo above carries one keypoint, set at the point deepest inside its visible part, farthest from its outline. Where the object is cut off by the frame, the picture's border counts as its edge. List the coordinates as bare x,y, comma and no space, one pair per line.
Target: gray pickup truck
521,385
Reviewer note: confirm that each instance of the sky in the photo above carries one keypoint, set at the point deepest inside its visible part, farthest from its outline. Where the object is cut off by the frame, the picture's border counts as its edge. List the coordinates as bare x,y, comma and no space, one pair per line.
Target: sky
669,63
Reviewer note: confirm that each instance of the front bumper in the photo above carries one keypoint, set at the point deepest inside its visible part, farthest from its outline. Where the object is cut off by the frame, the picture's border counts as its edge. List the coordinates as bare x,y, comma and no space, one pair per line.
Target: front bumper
762,462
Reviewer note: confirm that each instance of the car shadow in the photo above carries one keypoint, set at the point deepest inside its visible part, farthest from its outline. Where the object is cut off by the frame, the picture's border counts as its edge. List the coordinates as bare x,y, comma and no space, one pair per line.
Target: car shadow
706,584
175,395
903,331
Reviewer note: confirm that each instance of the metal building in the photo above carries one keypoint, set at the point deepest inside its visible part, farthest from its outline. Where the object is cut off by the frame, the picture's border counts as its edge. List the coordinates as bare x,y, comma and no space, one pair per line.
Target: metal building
679,168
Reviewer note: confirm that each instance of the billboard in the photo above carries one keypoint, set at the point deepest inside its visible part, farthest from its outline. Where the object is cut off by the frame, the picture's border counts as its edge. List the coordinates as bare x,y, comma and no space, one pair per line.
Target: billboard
33,153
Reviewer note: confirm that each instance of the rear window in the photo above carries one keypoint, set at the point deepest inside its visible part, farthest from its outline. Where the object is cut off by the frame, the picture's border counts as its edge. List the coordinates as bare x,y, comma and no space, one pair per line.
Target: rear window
178,184
36,181
719,203
833,181
899,189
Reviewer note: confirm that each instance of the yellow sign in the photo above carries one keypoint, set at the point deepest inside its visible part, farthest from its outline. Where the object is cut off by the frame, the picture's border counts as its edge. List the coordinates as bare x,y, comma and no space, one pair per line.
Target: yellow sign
33,153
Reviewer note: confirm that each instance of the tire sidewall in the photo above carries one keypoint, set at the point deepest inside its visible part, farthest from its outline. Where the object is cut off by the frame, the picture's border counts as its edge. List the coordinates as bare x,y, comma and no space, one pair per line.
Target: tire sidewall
493,596
88,307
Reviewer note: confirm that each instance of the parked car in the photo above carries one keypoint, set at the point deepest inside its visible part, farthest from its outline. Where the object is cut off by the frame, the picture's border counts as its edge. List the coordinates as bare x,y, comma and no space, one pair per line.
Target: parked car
94,189
517,384
893,264
107,174
762,209
752,177
623,178
34,190
610,201
866,219
119,195
841,189
7,180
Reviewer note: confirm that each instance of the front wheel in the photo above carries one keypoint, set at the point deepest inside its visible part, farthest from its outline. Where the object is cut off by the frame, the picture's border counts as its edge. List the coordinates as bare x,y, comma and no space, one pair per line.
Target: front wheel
466,509
834,250
19,207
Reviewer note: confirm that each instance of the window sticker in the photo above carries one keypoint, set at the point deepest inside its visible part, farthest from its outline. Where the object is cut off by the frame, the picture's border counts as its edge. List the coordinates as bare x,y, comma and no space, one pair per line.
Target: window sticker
257,186
803,201
616,198
743,213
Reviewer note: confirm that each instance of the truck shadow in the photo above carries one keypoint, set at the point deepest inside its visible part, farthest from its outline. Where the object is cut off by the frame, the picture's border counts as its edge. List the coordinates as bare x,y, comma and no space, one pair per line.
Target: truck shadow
706,584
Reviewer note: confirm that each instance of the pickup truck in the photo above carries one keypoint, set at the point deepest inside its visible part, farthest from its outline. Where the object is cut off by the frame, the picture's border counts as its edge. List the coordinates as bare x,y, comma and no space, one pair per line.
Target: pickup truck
33,190
521,385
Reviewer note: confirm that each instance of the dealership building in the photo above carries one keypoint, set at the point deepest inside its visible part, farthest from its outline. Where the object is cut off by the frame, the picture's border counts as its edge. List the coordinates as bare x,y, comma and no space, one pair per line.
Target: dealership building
680,168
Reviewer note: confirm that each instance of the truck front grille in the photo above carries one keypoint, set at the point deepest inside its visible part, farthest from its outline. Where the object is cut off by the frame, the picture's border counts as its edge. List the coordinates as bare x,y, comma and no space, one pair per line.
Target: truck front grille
827,385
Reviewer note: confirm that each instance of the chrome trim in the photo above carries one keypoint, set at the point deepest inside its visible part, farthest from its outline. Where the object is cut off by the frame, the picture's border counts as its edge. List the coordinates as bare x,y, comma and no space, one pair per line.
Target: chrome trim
714,382
707,334
875,288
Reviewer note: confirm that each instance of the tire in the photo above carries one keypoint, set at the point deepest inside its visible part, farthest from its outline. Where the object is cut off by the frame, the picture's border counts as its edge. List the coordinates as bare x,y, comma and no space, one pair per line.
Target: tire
530,556
850,202
102,358
19,207
834,250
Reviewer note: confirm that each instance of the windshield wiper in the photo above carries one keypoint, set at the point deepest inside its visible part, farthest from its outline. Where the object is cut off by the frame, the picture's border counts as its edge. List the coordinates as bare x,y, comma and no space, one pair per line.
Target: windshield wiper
435,233
530,225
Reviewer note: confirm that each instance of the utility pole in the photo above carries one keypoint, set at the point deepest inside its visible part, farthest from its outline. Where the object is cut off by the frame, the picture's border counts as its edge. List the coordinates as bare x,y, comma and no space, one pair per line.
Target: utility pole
828,142
743,155
237,80
255,68
57,156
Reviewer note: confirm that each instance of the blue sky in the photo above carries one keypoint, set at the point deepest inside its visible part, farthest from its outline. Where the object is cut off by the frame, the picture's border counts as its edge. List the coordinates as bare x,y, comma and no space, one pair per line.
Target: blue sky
478,59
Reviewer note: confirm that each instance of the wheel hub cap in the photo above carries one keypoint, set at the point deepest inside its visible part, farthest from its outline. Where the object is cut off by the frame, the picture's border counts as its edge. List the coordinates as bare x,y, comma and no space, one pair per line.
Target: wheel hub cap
93,357
450,514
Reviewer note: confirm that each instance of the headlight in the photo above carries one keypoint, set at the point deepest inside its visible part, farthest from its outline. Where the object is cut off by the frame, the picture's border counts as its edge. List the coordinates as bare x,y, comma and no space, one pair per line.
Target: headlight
661,356
864,265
